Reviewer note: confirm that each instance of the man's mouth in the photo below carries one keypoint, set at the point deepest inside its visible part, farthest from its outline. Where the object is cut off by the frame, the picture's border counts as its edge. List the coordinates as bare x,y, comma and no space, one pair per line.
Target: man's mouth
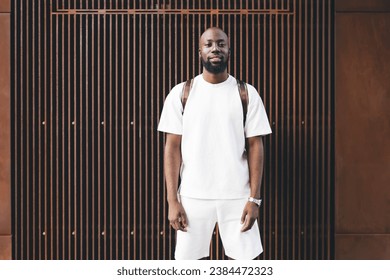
215,59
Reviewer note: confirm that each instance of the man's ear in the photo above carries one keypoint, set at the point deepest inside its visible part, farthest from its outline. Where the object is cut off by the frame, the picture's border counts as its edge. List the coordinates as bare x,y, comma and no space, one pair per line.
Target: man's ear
199,53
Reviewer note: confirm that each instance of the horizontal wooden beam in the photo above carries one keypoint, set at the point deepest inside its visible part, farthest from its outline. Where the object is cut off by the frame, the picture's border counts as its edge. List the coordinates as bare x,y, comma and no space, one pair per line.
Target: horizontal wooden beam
172,11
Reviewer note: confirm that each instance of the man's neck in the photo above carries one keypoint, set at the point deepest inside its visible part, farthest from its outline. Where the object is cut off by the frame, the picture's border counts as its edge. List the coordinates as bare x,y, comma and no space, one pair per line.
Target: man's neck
215,78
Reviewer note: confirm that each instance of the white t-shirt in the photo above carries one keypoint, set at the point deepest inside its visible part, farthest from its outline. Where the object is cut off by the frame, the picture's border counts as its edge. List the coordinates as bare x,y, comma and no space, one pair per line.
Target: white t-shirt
214,163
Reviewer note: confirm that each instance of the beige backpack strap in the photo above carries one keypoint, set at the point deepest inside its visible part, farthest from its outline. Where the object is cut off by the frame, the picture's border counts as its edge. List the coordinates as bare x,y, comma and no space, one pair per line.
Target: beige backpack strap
243,91
186,92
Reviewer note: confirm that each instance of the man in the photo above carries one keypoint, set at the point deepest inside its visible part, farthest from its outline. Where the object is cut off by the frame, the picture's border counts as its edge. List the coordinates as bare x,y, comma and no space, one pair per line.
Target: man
205,143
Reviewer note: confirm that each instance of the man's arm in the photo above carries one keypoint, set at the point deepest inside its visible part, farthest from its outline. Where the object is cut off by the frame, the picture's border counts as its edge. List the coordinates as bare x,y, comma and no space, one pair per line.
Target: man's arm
172,161
255,162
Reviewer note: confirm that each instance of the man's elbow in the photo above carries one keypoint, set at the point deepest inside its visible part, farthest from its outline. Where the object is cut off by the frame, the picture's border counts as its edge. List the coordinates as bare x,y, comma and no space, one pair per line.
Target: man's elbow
173,142
255,143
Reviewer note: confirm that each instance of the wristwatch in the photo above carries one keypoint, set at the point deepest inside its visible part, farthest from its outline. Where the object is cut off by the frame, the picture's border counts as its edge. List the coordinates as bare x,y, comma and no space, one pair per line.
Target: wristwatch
254,200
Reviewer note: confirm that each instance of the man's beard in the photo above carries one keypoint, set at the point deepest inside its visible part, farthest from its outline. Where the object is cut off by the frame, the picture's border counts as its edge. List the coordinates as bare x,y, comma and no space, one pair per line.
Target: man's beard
215,69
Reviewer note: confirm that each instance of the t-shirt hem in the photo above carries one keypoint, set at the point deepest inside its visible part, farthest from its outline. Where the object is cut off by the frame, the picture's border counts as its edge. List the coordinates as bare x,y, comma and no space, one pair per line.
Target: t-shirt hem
169,131
258,134
215,197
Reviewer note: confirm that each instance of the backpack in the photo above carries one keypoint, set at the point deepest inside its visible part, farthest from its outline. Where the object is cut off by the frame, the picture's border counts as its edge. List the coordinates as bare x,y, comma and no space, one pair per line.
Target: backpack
242,91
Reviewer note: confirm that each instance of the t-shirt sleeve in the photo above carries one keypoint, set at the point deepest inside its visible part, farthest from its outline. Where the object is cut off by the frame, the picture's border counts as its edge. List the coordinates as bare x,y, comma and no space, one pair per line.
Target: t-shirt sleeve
171,120
256,119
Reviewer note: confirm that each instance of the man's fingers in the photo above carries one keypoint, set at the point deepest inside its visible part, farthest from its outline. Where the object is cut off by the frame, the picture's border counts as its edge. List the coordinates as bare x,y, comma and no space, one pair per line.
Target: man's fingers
245,224
248,224
184,219
181,227
243,217
245,227
179,224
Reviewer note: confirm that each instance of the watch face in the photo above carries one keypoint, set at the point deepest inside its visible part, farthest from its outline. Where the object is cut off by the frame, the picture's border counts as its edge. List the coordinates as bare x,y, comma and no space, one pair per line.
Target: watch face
254,200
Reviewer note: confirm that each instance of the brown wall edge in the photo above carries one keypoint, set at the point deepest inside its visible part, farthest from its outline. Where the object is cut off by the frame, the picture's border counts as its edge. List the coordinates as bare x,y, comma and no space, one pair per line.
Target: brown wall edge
5,6
362,246
5,247
362,6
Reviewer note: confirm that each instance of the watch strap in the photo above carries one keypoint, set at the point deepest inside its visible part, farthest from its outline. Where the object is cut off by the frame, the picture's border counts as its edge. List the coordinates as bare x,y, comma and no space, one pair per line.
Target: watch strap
255,200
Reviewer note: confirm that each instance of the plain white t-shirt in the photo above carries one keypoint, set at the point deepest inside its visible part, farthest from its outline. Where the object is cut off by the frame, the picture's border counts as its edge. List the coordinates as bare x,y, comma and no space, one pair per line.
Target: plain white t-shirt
214,162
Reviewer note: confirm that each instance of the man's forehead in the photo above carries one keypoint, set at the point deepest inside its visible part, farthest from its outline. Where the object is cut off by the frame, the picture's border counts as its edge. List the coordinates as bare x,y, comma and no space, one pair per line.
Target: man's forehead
214,39
216,35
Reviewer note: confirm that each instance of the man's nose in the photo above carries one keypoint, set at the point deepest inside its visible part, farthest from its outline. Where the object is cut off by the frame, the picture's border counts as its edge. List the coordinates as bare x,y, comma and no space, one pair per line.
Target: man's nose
215,48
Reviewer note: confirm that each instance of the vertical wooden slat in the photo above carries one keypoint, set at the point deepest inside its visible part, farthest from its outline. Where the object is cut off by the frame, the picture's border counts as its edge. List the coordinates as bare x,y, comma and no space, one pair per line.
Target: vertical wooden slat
150,124
119,138
98,156
290,128
27,120
129,182
161,84
305,136
86,205
271,196
15,198
55,219
51,141
330,118
69,145
76,66
46,136
294,134
141,226
115,143
94,121
108,125
105,124
159,198
124,125
327,175
265,175
300,145
167,54
311,150
23,245
146,135
317,143
60,222
278,126
134,231
78,126
32,140
322,145
281,85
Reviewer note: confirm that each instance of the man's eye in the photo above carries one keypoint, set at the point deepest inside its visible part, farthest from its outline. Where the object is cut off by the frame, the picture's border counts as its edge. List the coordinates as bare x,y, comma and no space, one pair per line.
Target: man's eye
221,45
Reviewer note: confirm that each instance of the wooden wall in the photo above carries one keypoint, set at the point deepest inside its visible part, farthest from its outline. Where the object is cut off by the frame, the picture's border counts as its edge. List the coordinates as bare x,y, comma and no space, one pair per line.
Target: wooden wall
5,131
362,129
88,83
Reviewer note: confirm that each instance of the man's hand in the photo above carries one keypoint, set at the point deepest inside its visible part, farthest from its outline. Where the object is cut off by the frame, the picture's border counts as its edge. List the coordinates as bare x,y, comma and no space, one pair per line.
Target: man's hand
249,216
177,216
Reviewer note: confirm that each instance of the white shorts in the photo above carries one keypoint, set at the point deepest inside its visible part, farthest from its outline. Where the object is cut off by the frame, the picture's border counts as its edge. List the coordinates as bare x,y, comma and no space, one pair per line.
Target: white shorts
202,215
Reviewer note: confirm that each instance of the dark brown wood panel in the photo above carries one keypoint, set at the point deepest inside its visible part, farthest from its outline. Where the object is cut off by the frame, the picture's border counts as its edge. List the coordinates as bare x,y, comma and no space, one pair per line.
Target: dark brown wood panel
90,79
363,246
5,247
5,134
362,5
362,131
5,124
5,6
